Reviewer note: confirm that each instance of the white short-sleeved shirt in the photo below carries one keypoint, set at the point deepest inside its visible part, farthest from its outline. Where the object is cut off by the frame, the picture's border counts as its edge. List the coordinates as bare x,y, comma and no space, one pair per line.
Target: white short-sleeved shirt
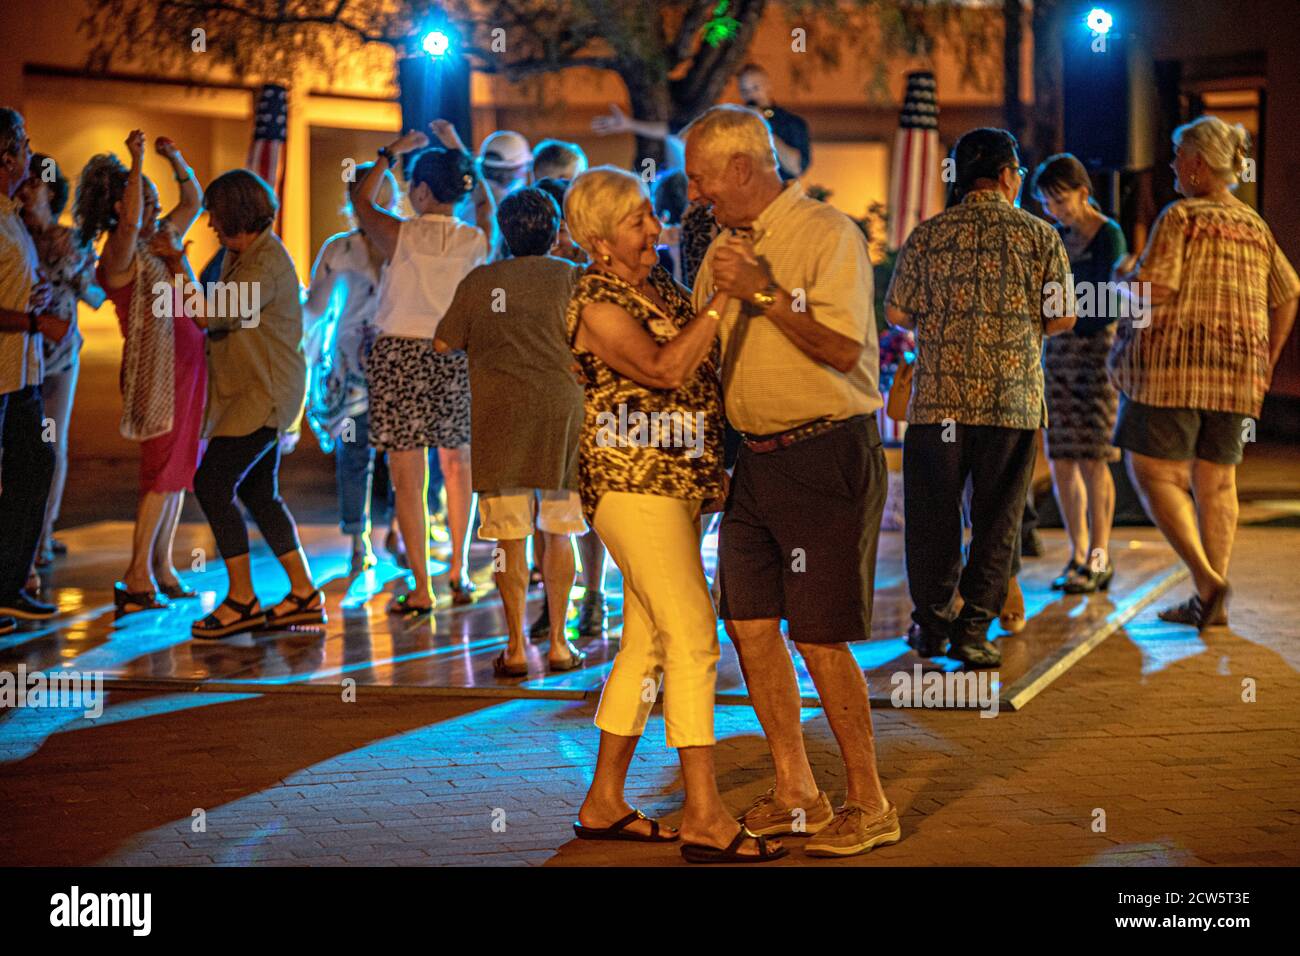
817,253
21,358
434,252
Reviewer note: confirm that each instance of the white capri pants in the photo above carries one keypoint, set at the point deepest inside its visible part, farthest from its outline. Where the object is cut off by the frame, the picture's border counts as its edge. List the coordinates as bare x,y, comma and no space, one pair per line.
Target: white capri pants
670,629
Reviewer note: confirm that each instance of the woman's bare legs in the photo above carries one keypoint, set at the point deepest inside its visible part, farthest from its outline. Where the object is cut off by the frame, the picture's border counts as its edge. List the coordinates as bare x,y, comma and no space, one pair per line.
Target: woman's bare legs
164,568
1072,497
460,507
512,583
1101,508
409,473
148,516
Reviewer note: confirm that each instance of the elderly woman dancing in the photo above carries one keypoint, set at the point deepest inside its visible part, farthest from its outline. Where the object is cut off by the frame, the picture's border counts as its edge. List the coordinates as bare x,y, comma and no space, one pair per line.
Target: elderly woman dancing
1192,371
651,363
164,375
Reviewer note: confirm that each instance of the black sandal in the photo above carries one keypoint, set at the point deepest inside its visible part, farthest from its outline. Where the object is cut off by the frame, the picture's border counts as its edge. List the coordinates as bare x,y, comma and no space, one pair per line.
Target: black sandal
306,610
177,591
211,627
402,607
130,602
619,831
501,669
1064,577
699,853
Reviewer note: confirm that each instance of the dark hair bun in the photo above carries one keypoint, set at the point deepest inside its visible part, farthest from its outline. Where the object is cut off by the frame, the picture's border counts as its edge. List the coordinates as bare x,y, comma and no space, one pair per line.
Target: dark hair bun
449,174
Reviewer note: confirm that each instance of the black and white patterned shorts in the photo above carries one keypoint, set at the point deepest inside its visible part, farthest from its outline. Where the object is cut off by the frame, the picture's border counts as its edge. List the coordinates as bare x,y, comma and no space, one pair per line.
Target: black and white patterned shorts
418,397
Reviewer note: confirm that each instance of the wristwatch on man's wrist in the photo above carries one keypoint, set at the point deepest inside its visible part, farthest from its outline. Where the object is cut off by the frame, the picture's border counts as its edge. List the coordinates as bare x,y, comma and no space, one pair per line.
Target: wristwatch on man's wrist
32,326
388,154
766,296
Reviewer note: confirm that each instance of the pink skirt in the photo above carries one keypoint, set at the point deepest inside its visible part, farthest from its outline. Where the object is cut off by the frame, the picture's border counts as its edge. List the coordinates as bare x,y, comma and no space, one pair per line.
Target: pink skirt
168,462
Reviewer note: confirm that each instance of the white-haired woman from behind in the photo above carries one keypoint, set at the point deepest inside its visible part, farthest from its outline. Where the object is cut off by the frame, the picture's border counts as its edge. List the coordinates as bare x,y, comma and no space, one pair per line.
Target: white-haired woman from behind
1193,369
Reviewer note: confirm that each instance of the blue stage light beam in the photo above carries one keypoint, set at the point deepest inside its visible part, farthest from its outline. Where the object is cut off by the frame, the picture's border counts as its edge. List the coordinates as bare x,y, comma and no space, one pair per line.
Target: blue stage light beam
1099,21
435,43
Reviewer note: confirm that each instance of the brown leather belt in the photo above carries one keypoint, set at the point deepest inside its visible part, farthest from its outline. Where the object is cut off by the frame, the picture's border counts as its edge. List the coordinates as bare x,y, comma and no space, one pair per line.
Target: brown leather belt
797,434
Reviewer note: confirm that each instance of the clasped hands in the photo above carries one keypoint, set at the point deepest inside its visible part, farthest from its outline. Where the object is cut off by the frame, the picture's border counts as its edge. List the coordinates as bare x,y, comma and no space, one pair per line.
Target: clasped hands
738,271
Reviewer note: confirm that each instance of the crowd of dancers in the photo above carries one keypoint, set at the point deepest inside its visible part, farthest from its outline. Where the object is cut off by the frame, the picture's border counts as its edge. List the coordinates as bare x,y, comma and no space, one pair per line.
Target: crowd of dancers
628,382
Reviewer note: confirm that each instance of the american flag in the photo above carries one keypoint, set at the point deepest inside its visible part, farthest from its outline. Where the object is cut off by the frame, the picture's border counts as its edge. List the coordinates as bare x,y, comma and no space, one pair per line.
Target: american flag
266,154
914,183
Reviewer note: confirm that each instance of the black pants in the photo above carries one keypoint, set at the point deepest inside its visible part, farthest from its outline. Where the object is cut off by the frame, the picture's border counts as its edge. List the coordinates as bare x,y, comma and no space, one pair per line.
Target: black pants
26,468
248,466
999,463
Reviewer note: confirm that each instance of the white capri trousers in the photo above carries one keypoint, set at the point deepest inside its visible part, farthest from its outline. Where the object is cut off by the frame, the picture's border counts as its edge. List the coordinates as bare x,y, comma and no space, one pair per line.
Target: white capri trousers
670,629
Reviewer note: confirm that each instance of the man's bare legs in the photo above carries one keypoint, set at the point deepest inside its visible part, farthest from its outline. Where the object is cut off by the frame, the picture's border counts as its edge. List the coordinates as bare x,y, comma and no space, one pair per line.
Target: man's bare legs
774,690
842,688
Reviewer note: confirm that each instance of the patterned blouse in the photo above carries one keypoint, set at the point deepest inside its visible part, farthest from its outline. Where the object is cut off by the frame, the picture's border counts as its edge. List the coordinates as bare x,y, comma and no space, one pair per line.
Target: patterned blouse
70,267
1207,346
976,280
638,439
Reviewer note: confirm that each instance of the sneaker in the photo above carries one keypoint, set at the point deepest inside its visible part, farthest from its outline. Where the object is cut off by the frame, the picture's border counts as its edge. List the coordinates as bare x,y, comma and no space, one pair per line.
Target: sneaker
852,832
27,608
591,617
767,816
926,643
976,653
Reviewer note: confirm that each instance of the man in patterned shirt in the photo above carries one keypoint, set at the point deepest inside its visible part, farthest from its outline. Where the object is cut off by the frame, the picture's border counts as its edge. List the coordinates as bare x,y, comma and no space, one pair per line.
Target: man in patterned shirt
975,282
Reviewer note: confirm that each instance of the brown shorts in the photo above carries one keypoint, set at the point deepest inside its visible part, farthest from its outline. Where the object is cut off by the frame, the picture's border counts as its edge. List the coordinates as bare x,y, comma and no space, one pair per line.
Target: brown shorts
798,539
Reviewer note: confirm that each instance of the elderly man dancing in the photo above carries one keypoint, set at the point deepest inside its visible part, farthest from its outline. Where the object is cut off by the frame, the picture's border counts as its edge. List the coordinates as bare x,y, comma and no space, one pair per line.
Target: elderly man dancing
798,540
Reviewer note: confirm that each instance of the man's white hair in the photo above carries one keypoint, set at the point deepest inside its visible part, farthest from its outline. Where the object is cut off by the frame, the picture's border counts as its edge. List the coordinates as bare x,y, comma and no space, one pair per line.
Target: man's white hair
724,131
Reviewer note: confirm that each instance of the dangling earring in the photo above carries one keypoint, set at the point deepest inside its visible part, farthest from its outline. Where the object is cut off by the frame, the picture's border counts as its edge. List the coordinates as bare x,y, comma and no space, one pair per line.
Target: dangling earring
606,259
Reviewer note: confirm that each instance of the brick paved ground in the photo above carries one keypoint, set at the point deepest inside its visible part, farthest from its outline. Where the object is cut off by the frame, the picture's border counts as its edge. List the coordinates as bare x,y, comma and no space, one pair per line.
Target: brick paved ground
1150,728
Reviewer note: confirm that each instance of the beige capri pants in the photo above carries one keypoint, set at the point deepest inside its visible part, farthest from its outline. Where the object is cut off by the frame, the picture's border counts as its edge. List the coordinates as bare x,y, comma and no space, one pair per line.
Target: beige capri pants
670,629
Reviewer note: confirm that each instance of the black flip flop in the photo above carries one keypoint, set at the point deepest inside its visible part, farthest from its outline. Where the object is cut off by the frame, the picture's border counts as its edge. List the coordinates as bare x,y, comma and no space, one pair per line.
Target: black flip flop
177,591
211,628
699,853
402,607
501,669
619,831
302,613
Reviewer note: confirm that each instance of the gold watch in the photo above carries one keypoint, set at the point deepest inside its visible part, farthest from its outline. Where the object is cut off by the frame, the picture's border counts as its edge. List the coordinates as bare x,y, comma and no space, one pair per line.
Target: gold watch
766,296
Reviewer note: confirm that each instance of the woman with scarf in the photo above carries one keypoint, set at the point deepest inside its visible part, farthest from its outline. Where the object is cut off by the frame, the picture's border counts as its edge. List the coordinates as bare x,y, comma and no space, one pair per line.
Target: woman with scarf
164,373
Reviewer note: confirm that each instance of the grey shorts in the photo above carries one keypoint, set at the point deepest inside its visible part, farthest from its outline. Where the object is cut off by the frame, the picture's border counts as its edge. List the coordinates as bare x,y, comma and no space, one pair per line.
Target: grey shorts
1181,434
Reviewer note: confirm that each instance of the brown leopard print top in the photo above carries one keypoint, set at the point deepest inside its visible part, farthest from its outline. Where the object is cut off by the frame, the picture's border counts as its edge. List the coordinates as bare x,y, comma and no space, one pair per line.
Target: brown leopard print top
638,439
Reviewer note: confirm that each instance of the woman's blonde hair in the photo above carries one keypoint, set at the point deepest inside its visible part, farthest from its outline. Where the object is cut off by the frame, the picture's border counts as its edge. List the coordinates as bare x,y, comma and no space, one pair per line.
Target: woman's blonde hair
1223,147
598,200
727,130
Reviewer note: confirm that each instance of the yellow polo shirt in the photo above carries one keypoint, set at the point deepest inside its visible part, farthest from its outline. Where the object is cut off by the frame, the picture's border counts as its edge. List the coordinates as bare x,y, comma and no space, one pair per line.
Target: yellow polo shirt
817,252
